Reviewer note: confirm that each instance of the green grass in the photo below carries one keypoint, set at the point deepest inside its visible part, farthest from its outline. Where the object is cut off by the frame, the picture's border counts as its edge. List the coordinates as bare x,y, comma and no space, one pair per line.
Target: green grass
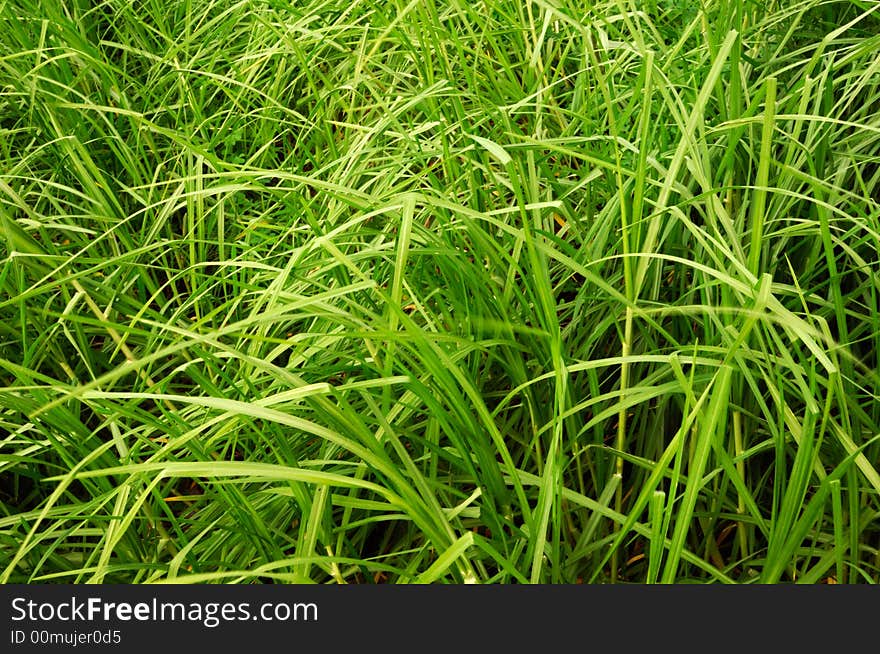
456,292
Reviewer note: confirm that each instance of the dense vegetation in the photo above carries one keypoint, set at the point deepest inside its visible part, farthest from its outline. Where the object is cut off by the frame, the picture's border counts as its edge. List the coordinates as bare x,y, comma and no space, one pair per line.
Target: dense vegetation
388,292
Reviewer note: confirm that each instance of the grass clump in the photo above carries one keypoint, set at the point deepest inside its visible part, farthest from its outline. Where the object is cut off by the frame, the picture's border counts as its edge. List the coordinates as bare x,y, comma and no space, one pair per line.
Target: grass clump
357,292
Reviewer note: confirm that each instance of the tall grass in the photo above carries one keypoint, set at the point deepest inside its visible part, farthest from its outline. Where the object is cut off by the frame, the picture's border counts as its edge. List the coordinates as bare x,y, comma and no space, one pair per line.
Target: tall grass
403,292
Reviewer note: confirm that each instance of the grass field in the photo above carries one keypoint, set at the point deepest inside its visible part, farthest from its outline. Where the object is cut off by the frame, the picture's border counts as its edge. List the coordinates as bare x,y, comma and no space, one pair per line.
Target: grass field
498,291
